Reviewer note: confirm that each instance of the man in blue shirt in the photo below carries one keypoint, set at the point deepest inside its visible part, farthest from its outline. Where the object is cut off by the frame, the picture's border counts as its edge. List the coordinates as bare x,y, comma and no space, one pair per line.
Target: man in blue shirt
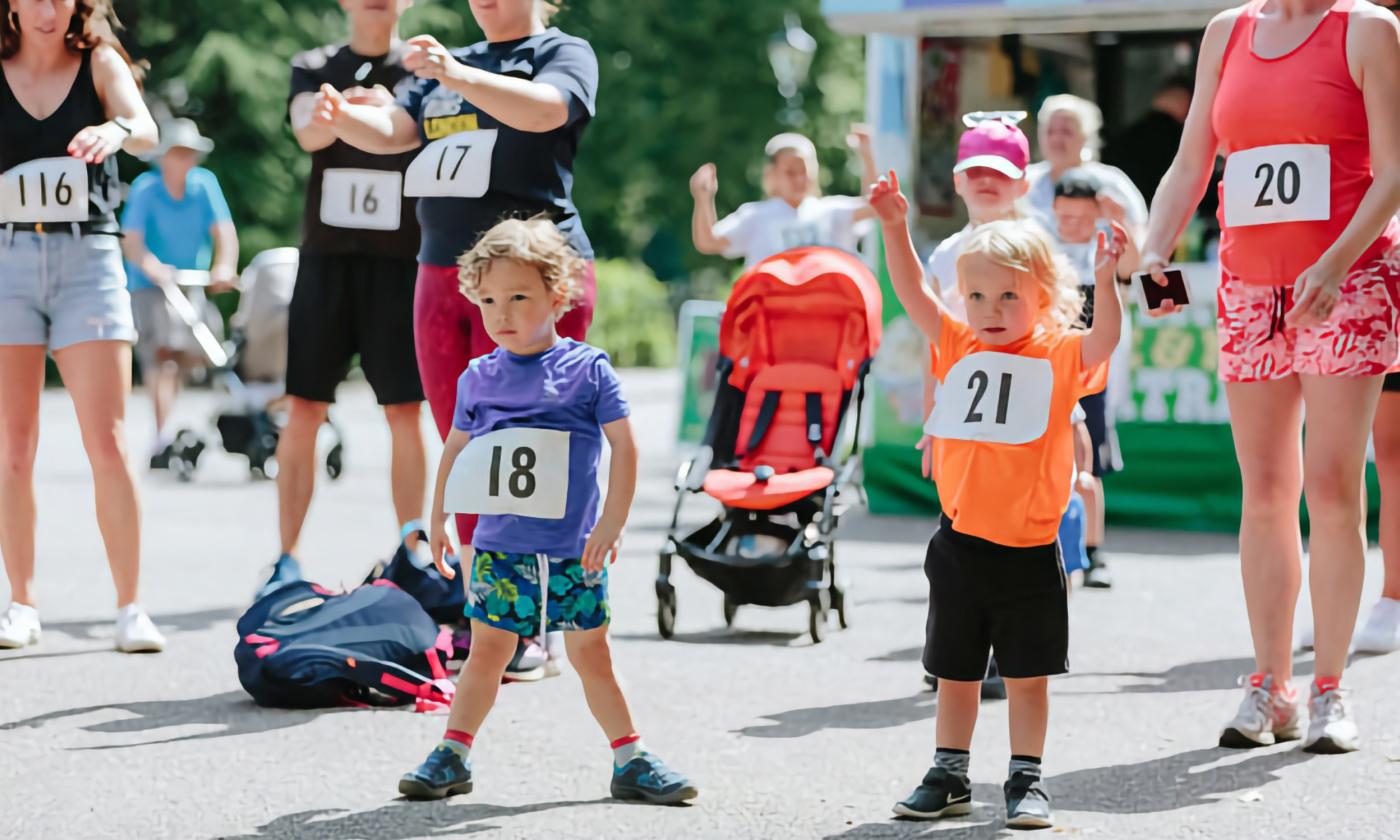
176,226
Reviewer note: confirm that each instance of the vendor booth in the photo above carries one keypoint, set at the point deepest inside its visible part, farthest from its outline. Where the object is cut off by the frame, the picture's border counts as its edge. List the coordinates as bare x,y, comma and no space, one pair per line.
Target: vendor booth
928,62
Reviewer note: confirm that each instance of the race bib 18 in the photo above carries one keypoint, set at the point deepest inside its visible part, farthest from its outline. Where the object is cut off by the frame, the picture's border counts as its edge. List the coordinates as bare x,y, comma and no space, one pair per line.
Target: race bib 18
363,199
524,472
45,190
457,166
994,398
1272,184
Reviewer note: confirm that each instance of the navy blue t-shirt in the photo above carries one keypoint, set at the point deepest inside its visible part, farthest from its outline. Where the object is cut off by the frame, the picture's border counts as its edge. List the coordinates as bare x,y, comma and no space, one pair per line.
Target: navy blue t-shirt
530,172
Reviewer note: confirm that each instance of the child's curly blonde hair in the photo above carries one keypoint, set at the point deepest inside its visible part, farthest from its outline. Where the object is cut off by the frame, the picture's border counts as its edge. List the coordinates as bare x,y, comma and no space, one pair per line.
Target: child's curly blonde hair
1022,247
535,242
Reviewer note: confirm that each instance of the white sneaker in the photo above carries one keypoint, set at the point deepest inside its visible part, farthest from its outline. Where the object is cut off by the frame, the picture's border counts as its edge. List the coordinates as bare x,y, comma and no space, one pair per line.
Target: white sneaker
136,633
1265,717
19,626
1330,727
1382,631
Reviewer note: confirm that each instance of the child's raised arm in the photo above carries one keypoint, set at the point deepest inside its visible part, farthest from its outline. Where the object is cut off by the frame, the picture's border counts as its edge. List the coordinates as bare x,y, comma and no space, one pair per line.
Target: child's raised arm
906,272
457,440
1108,310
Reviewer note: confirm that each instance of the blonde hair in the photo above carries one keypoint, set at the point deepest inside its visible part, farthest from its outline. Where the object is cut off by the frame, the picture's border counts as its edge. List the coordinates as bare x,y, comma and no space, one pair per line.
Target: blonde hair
1022,247
535,242
1086,113
801,148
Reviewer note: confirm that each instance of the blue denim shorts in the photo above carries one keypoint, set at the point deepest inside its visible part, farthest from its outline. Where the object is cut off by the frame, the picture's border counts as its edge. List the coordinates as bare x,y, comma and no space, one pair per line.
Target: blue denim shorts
57,289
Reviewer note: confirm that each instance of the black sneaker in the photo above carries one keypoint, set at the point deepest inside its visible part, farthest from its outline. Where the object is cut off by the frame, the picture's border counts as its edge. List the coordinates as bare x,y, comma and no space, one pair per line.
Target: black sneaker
993,686
1027,803
1097,575
931,683
161,460
941,794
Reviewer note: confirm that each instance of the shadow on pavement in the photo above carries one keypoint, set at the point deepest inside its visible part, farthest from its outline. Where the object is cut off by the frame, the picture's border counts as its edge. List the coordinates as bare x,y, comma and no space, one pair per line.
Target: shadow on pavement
1210,675
719,637
401,820
913,654
877,714
232,710
1184,780
179,622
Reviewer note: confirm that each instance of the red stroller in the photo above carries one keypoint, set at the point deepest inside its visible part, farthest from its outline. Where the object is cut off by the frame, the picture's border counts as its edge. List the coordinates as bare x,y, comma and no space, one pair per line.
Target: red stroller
796,341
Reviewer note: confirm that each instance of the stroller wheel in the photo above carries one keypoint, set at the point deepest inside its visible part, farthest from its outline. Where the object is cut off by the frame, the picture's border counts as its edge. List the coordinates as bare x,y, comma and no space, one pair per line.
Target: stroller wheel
730,608
335,463
816,625
666,612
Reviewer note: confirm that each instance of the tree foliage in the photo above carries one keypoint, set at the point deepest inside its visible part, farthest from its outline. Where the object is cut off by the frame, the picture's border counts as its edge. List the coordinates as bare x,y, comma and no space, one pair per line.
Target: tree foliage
682,82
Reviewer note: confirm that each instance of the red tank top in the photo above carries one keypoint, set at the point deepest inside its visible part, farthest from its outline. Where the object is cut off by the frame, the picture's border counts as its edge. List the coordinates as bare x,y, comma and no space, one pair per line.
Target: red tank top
1294,133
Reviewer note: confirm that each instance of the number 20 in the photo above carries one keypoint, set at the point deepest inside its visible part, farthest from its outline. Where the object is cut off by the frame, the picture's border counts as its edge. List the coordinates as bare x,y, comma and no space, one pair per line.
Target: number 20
981,381
1287,193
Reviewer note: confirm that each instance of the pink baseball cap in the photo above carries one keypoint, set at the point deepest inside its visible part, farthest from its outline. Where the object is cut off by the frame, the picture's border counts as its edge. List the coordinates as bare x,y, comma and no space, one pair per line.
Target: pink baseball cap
995,145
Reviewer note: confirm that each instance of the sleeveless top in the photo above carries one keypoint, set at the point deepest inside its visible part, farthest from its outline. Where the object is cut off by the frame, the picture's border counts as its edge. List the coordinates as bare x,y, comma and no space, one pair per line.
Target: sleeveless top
1294,133
23,139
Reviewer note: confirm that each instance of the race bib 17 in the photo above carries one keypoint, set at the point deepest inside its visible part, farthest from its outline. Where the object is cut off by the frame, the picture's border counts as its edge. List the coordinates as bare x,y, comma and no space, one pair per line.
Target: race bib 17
45,190
524,472
457,166
994,398
363,199
1267,185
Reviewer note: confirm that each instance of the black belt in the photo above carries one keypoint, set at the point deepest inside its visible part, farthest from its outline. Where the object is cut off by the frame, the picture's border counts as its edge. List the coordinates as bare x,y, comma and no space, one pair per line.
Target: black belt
84,228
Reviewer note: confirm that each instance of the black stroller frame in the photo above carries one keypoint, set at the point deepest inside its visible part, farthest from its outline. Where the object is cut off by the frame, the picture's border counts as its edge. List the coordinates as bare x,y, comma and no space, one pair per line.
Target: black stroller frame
806,569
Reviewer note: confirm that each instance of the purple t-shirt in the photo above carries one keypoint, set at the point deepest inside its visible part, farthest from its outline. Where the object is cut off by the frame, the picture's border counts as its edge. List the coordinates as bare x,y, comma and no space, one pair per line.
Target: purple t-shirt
570,387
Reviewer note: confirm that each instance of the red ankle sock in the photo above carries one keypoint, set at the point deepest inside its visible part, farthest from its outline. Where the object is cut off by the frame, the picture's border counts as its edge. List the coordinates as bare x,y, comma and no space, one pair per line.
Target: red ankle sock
1326,684
463,738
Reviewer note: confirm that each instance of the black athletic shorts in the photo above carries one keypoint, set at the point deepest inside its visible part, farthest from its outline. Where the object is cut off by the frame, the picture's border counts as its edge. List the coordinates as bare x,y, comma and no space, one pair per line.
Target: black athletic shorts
985,599
1392,382
348,304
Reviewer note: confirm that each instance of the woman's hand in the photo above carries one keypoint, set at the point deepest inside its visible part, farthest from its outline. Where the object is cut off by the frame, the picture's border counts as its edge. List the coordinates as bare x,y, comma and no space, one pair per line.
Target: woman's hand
1315,294
1156,267
377,96
428,59
889,203
96,143
705,182
327,107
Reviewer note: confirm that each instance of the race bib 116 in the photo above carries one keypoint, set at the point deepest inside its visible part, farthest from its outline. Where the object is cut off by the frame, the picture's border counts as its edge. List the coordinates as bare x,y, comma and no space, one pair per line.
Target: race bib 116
994,398
45,190
524,472
1267,185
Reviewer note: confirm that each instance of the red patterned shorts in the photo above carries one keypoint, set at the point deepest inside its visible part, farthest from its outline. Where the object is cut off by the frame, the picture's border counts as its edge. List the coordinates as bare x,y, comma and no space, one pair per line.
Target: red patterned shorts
1361,338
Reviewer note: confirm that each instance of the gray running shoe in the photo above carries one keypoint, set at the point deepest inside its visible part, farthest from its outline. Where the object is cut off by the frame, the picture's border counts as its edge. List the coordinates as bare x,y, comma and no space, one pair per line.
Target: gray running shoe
1027,802
1265,718
1331,729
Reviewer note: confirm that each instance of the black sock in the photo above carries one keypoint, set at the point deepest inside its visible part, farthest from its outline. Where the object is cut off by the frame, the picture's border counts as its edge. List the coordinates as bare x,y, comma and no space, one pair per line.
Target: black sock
957,762
1027,764
1091,551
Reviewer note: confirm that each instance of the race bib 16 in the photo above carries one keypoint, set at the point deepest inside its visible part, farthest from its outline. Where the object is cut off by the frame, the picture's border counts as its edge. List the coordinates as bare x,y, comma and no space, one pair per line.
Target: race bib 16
524,472
457,166
994,398
362,199
1267,185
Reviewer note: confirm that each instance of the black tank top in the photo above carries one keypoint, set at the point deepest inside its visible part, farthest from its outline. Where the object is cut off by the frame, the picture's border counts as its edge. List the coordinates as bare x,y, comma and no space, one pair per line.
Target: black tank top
23,138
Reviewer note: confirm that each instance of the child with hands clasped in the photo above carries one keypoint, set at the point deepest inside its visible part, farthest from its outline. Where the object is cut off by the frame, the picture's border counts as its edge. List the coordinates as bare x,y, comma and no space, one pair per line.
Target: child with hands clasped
523,453
1004,461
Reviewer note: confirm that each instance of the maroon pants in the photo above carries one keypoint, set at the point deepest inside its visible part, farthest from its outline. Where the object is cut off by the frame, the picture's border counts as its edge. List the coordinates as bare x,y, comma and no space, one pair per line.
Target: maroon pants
448,333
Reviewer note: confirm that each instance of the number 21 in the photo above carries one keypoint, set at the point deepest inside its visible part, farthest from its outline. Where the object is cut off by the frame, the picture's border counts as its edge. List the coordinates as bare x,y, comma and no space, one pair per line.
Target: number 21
980,381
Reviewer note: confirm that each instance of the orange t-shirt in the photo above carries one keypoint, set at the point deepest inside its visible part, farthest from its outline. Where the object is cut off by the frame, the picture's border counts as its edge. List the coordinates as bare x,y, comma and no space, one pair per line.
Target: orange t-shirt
1004,450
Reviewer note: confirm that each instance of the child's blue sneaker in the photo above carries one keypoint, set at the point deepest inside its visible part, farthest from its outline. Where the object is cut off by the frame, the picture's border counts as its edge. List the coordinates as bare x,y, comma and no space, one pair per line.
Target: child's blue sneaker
647,778
443,773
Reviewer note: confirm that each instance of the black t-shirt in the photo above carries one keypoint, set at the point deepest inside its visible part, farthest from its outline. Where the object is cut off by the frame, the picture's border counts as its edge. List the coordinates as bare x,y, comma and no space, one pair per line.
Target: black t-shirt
24,139
523,173
357,202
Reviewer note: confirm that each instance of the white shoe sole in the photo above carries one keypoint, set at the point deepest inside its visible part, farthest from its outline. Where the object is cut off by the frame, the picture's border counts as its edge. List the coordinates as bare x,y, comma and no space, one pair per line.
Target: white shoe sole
957,809
140,646
1029,822
12,644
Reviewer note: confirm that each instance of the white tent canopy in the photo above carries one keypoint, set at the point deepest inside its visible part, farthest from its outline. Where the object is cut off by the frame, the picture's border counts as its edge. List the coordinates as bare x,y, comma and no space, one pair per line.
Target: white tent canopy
971,18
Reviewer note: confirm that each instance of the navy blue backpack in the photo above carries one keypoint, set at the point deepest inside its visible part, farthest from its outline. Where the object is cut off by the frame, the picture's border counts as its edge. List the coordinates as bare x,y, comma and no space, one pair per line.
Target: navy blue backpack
302,646
445,600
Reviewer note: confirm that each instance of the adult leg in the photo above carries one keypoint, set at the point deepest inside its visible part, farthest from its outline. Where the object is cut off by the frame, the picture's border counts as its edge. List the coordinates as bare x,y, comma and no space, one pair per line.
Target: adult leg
296,468
21,381
98,377
1265,420
1386,434
1334,461
408,463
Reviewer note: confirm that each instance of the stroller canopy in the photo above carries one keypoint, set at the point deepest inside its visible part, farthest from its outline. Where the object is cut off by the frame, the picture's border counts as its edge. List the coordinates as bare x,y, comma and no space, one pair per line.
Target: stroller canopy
817,305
